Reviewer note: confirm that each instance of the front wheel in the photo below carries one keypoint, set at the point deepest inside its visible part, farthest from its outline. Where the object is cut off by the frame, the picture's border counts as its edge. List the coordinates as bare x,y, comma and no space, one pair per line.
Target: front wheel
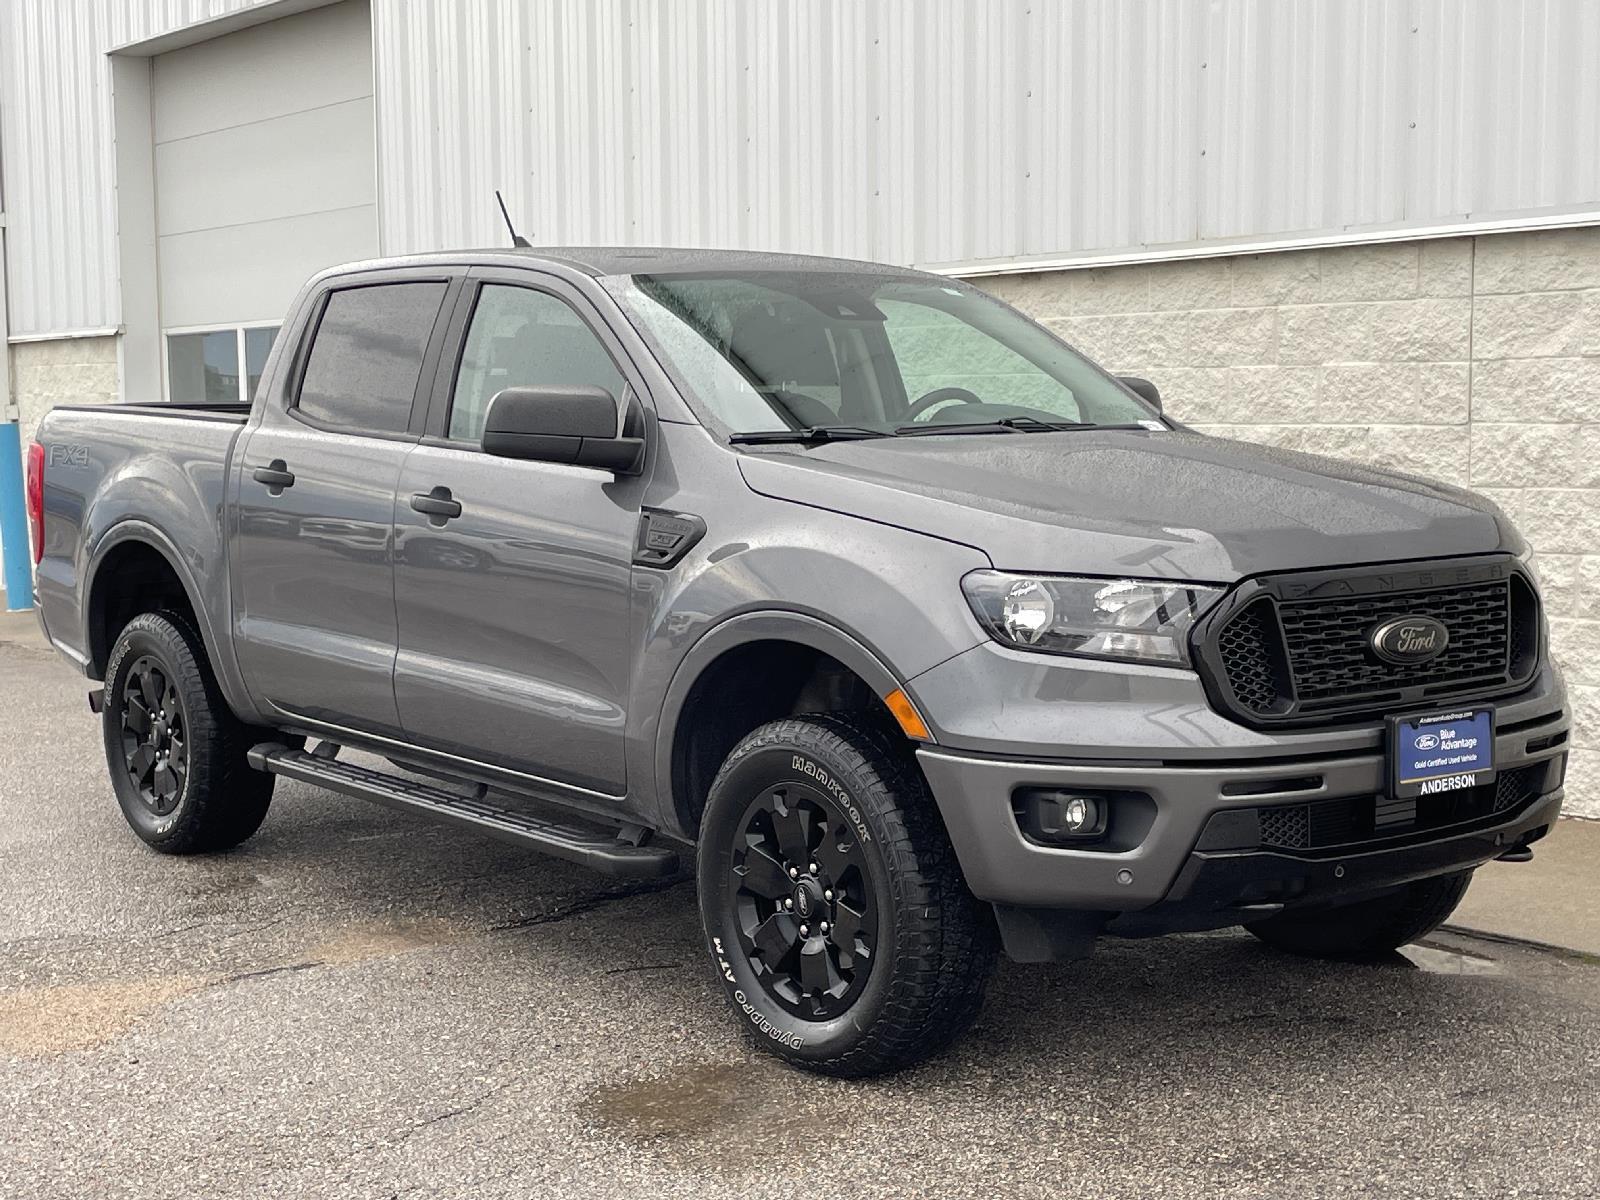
833,905
1368,928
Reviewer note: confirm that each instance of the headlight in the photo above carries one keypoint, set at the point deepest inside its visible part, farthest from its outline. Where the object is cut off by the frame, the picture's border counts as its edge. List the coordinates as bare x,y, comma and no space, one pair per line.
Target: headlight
1136,619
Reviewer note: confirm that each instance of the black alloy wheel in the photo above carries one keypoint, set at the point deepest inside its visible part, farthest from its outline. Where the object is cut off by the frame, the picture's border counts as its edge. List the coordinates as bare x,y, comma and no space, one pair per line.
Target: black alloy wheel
799,885
155,748
177,754
836,917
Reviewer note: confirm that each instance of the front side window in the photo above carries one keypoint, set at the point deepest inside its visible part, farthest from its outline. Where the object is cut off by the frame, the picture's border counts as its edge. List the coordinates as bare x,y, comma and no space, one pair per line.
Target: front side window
203,367
523,338
366,356
783,350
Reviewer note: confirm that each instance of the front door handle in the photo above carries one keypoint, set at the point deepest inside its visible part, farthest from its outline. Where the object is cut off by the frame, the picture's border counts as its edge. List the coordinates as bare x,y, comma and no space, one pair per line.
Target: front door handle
276,475
437,504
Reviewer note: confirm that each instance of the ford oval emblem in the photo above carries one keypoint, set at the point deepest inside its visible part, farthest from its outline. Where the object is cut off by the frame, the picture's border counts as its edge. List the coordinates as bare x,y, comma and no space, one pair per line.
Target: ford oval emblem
1410,640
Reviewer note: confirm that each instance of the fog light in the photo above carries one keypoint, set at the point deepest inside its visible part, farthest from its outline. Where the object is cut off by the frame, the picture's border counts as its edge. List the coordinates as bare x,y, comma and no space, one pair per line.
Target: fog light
1080,814
1052,816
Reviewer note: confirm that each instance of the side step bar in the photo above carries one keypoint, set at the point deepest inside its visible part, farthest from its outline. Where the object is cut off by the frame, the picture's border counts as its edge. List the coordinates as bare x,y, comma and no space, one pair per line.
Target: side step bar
601,851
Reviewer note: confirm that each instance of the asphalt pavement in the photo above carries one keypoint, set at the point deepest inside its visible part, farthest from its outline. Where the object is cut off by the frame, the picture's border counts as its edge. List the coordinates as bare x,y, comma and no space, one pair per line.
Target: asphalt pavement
356,1004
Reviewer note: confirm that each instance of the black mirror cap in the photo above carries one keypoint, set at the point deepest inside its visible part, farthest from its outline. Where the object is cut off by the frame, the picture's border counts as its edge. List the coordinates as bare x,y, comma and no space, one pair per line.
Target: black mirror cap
576,425
1142,388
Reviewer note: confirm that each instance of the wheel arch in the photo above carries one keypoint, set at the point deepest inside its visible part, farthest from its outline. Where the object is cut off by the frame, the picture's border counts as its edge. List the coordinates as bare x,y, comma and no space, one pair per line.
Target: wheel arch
133,551
759,666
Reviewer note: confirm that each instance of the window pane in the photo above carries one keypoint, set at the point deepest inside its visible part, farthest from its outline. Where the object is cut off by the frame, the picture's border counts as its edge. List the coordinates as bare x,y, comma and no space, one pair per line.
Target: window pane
767,350
935,350
203,368
367,356
257,345
523,338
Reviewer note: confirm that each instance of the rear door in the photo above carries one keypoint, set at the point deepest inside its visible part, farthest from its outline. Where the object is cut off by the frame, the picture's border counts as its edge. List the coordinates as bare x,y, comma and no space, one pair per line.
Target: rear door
312,555
513,615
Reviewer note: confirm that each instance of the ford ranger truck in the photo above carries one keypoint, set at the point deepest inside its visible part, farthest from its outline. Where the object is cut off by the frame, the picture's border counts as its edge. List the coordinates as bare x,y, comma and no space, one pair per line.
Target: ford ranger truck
918,634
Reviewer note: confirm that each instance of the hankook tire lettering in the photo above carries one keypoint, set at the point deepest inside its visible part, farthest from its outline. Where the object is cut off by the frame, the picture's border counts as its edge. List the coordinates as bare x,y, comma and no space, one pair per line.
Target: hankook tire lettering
806,767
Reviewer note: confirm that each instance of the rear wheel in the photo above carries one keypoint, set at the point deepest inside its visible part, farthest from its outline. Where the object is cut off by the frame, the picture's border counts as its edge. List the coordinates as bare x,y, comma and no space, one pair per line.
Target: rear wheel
833,906
1368,928
175,751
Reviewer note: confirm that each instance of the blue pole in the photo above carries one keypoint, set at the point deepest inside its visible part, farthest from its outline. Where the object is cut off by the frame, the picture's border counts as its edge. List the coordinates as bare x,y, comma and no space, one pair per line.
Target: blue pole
14,556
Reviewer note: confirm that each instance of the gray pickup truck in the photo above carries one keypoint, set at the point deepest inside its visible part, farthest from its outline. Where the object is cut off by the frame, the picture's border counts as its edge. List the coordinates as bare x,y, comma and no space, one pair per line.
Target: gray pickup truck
920,633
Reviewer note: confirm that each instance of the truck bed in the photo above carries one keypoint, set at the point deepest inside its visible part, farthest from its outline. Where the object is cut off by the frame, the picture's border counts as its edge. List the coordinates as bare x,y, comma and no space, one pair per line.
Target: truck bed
160,468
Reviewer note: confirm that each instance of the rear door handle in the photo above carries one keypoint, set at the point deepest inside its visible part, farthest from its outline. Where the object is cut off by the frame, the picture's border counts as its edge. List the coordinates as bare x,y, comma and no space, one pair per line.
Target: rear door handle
276,475
437,504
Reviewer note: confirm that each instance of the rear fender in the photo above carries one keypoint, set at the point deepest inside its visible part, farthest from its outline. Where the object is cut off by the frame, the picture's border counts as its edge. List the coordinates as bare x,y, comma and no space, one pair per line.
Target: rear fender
219,649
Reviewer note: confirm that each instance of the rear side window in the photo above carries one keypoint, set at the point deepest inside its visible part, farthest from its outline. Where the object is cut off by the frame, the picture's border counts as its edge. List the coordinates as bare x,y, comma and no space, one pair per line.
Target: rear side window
524,338
364,363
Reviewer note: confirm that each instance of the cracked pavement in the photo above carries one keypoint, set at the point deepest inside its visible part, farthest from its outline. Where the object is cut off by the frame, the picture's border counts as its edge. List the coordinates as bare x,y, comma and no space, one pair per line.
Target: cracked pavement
357,1004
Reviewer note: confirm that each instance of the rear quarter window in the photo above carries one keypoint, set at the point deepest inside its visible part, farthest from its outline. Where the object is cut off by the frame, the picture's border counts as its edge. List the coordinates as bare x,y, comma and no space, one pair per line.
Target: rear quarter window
366,356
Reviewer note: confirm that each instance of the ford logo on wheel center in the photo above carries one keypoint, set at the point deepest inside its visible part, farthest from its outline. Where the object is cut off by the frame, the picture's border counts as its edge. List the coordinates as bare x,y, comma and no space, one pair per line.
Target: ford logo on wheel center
1408,640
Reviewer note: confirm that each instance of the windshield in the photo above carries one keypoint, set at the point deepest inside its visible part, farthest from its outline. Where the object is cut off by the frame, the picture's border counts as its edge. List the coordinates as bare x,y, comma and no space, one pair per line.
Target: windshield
788,350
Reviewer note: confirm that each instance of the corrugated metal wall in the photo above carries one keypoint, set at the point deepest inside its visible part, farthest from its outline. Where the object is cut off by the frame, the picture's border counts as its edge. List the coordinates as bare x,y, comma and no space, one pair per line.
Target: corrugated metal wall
944,131
926,131
59,150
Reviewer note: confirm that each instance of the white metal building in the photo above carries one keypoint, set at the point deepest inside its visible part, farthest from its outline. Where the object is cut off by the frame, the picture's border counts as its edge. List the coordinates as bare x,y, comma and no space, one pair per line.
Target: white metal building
180,165
1368,227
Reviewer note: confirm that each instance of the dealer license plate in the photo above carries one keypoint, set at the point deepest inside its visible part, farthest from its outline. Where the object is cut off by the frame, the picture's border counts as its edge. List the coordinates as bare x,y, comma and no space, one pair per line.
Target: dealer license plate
1442,751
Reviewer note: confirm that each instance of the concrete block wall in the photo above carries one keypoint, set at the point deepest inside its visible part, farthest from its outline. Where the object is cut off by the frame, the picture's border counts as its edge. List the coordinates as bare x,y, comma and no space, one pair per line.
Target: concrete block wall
62,371
1471,360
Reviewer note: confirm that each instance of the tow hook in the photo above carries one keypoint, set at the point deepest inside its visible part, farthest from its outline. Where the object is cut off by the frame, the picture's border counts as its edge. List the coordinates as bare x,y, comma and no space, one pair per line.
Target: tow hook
1522,852
97,701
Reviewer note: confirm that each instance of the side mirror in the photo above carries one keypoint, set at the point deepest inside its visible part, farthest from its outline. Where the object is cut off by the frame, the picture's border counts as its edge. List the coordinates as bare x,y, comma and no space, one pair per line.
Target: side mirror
1143,388
577,425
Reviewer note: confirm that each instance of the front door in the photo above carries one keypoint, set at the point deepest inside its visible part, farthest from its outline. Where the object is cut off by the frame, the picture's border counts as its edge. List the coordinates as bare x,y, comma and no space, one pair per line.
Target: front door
514,643
312,555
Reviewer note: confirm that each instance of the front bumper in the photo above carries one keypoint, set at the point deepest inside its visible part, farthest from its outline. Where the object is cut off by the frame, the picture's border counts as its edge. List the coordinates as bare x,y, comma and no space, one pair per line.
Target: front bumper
1200,882
1217,888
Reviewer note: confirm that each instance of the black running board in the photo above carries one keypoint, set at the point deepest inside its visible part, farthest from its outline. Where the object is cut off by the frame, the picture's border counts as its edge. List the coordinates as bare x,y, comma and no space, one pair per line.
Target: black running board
601,851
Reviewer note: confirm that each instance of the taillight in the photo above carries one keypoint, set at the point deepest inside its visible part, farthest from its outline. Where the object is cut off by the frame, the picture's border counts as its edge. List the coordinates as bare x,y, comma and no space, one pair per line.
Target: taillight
35,496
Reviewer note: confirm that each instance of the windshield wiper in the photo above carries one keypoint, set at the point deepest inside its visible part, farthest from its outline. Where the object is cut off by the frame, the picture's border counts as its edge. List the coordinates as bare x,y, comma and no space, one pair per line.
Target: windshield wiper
1006,425
811,433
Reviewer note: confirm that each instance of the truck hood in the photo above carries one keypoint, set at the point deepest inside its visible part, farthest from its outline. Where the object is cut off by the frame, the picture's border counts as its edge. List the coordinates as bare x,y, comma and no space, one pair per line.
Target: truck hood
1167,505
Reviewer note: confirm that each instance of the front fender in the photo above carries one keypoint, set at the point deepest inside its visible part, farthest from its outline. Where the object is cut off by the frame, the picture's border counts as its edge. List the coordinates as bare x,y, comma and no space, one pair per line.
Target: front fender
776,626
884,602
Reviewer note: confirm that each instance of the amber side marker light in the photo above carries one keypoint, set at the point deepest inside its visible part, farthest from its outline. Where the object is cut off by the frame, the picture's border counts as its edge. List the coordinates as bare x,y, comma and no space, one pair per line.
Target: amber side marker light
905,712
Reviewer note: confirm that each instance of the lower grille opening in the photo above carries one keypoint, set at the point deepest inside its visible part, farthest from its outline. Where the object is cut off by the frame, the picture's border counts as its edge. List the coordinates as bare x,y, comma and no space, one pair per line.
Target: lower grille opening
1322,824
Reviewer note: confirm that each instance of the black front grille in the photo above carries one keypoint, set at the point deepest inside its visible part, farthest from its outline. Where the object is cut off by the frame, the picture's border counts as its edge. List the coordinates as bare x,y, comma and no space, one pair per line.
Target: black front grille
1329,642
1293,647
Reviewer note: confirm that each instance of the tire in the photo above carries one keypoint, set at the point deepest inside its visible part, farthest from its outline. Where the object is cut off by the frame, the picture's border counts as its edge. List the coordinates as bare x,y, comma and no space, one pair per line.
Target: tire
1367,929
175,752
893,967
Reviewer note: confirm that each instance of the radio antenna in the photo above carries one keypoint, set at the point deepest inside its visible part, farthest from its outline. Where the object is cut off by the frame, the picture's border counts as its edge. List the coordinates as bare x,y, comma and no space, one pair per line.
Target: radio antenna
517,240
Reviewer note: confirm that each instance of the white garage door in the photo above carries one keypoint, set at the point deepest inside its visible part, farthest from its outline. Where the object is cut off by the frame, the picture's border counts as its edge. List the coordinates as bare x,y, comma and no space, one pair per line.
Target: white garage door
264,172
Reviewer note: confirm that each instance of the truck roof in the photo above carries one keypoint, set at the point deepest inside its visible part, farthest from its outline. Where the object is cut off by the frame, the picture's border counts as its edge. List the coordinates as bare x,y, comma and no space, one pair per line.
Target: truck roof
644,260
